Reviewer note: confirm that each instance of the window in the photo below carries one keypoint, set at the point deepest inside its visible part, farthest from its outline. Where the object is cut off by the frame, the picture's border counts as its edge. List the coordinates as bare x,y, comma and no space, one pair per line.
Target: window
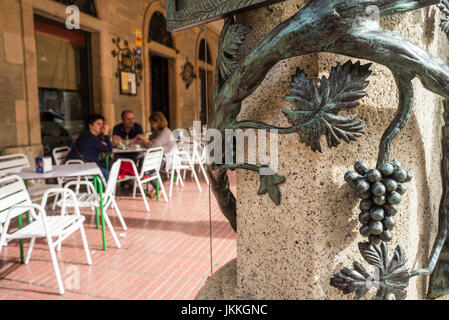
204,53
63,66
158,30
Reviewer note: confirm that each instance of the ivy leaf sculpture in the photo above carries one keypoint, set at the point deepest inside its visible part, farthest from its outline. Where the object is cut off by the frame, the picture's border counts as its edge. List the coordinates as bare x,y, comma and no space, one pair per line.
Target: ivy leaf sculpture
268,183
316,108
392,276
444,7
234,37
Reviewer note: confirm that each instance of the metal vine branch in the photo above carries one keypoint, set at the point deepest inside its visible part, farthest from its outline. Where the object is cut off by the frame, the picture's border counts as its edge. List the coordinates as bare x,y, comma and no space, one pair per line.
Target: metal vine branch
341,27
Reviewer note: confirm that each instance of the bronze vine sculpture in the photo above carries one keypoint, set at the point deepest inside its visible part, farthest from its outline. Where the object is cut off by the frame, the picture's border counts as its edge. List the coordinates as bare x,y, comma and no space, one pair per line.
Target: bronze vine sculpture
341,27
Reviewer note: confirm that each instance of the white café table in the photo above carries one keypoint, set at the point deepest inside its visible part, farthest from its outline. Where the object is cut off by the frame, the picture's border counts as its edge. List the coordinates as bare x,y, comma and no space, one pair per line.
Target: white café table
73,170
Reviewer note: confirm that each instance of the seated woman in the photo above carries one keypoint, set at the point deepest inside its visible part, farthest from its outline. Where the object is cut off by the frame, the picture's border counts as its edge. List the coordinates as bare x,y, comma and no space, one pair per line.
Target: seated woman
91,143
161,136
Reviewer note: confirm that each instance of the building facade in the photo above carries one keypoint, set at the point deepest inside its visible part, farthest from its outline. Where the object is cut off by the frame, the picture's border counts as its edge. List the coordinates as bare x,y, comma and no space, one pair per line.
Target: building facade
52,73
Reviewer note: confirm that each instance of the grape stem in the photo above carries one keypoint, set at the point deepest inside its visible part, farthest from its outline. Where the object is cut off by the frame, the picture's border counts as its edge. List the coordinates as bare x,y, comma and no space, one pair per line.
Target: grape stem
406,96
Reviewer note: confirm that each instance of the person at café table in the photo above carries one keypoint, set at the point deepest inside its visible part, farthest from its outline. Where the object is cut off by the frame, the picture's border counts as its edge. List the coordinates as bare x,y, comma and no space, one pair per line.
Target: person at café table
91,143
161,136
132,130
127,128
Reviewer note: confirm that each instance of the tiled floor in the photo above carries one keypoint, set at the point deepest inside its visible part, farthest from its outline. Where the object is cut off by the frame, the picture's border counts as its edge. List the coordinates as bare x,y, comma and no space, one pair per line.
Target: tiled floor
165,254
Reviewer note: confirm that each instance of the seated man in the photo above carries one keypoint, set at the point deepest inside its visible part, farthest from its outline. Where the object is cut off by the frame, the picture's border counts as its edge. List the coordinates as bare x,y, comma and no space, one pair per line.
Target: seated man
91,143
128,128
132,130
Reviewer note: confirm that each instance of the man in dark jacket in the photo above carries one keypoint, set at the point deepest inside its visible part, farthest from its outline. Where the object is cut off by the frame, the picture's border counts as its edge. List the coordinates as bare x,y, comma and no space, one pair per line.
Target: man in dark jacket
91,143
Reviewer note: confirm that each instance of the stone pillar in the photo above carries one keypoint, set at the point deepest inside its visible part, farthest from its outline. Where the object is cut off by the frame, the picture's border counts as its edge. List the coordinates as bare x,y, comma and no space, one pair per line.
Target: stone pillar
292,250
18,79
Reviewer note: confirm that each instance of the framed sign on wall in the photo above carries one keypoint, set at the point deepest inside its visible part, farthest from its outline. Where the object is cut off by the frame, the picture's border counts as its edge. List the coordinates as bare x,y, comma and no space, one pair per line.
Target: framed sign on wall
184,14
128,83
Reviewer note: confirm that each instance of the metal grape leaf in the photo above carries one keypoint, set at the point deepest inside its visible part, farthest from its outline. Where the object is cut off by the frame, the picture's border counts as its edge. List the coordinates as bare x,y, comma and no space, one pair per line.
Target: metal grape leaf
371,255
396,277
392,276
233,38
444,7
268,184
316,108
348,280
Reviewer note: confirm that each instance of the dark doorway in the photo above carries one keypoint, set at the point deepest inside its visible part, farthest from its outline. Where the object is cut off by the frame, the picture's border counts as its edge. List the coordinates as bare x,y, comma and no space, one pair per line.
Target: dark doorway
205,93
159,86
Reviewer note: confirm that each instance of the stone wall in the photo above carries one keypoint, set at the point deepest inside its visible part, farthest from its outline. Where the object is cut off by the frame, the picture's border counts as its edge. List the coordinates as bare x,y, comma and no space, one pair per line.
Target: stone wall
291,251
18,88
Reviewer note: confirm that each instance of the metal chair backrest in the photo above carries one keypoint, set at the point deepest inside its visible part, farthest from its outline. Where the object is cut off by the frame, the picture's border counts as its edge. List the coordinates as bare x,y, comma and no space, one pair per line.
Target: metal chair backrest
13,163
60,154
199,153
112,181
152,160
13,192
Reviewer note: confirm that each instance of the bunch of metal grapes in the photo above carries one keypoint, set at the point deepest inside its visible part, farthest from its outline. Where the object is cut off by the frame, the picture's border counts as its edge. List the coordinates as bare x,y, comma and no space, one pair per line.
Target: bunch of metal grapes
381,191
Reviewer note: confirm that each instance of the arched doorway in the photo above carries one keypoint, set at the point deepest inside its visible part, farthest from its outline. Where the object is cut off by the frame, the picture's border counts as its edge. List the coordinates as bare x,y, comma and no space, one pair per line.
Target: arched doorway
205,78
160,97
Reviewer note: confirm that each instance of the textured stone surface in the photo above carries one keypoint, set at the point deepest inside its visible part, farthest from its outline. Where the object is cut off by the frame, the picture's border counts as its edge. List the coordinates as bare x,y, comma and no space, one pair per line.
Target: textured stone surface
222,285
292,250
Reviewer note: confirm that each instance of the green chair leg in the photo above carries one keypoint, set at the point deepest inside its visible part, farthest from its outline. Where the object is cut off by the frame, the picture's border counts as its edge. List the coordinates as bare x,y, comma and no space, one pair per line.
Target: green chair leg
22,256
157,189
107,160
99,188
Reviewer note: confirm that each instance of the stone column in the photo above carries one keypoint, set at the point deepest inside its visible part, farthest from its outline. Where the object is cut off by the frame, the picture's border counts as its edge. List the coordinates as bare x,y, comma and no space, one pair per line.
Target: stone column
292,250
19,80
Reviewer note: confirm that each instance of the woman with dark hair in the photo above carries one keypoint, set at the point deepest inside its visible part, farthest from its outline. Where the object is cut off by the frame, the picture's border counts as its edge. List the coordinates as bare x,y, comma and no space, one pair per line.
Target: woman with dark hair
91,143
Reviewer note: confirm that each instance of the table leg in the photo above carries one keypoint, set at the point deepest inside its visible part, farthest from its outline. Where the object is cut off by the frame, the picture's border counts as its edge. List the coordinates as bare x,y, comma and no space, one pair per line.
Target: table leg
99,187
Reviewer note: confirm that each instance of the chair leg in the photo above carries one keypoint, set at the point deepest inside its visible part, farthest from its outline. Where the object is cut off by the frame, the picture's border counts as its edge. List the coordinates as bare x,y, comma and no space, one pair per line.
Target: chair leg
196,178
135,189
85,245
30,249
204,173
161,186
55,265
144,196
170,192
111,228
119,214
180,179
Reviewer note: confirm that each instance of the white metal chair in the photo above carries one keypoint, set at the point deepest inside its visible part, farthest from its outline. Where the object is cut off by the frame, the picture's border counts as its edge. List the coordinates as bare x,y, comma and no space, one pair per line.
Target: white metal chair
151,161
197,154
15,200
60,154
137,181
13,164
182,161
91,199
62,180
199,157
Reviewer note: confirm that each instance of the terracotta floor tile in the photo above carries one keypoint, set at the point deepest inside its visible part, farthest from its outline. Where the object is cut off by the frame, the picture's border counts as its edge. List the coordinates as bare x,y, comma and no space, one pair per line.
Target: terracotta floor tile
165,254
